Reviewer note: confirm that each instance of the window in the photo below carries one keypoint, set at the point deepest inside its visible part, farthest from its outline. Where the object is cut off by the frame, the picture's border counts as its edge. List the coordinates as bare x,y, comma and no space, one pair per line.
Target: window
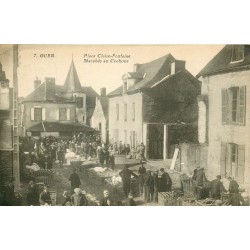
233,161
125,112
133,111
117,112
237,53
233,105
37,114
79,102
62,114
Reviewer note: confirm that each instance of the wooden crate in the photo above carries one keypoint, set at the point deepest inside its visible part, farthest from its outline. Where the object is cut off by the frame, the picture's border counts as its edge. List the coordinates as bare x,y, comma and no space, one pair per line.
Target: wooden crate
168,199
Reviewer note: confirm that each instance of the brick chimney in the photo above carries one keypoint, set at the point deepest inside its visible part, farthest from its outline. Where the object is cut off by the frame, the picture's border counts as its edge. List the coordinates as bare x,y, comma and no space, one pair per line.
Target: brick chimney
50,89
103,92
37,83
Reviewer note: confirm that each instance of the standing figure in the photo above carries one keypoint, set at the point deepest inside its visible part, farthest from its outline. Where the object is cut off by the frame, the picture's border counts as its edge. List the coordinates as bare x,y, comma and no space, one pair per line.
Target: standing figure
155,186
126,175
233,186
165,182
141,171
148,186
74,180
142,152
216,188
60,156
112,161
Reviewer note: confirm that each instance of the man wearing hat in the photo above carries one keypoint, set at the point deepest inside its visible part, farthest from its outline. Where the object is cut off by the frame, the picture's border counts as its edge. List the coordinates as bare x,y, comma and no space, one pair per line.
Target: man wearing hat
217,188
165,182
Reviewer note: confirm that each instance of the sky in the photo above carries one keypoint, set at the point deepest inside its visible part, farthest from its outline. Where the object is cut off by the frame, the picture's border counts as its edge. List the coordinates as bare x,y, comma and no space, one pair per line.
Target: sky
54,61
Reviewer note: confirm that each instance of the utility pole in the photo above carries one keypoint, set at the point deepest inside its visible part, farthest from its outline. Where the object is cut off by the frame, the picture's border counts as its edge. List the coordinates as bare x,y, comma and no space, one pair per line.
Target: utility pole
16,168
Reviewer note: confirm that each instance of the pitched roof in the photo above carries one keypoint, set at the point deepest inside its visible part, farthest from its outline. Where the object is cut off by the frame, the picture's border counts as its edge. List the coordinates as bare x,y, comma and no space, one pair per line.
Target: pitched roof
150,73
59,127
89,92
104,101
72,82
37,95
222,61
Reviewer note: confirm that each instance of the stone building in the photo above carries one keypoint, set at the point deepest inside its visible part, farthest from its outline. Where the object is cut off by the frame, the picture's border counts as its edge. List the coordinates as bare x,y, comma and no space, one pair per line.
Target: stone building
99,120
58,110
156,105
6,145
224,113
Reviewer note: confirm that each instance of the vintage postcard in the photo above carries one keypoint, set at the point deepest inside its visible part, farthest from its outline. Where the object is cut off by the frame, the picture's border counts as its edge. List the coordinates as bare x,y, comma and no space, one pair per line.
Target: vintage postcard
124,125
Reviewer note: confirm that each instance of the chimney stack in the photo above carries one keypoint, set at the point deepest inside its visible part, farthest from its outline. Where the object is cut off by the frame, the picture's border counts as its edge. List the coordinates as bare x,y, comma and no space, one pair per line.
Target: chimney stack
103,92
37,83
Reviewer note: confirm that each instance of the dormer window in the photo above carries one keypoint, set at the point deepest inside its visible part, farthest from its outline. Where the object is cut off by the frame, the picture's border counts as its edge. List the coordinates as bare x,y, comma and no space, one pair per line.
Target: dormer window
237,53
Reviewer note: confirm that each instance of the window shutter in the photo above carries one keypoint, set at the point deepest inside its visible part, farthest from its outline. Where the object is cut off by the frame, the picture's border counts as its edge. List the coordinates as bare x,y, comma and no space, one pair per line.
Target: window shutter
57,114
32,114
43,114
223,159
241,163
224,105
68,114
242,105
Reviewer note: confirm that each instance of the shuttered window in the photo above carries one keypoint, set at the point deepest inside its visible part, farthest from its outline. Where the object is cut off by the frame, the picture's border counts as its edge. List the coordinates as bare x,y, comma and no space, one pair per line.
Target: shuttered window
133,111
242,105
125,112
224,105
38,112
233,105
232,161
62,114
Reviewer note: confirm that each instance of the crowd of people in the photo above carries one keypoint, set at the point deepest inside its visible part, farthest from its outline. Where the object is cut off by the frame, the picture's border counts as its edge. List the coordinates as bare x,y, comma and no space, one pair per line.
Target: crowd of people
45,151
149,184
215,189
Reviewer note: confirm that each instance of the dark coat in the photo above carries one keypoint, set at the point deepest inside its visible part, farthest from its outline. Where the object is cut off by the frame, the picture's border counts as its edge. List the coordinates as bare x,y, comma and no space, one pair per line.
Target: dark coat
75,180
156,182
233,187
126,175
33,195
216,187
200,177
148,181
165,183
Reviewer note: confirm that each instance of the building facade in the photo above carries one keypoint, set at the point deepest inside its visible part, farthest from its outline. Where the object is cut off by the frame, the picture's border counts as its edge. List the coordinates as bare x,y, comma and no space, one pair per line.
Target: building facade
156,105
224,113
58,110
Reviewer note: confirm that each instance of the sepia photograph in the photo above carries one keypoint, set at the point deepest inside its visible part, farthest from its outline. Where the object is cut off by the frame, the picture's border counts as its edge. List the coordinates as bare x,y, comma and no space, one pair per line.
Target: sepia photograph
124,125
